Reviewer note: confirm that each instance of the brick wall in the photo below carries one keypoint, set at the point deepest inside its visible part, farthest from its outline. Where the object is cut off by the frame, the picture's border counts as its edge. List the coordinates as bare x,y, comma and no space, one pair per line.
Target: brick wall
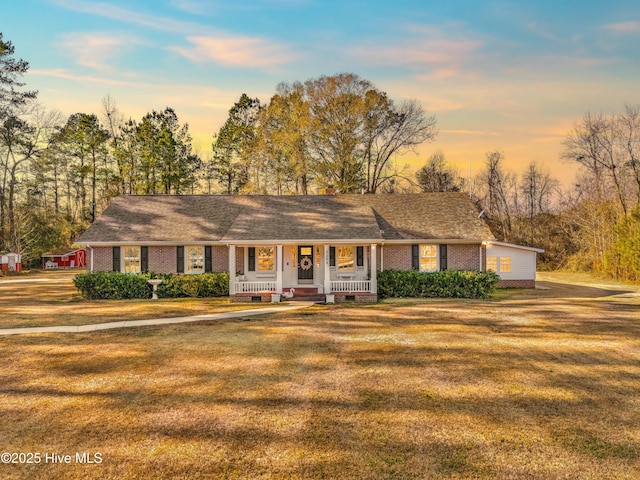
102,259
338,297
516,284
219,258
163,259
463,257
357,297
239,260
459,257
248,297
397,257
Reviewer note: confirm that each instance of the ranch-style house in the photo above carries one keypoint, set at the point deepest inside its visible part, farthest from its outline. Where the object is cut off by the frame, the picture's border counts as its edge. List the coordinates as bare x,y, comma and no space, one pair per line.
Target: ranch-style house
324,245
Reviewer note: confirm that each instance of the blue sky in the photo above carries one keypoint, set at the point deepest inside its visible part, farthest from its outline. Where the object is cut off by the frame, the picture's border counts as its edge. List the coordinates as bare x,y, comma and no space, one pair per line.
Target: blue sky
506,75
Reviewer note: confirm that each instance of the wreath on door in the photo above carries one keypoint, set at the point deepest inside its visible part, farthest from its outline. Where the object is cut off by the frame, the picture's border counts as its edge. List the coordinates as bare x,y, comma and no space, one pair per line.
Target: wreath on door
305,263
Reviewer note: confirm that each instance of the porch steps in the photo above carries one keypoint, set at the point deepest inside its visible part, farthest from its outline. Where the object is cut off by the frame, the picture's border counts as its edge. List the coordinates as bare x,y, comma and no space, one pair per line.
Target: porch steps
302,290
306,298
304,294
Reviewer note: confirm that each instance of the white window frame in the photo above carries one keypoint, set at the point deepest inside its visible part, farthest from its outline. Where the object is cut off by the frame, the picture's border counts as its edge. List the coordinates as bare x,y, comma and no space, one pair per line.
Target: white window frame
430,258
493,259
125,258
188,265
273,260
499,262
346,271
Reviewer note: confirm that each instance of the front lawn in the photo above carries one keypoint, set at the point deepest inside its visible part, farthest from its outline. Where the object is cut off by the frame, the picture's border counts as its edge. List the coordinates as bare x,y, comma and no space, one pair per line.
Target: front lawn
50,299
533,385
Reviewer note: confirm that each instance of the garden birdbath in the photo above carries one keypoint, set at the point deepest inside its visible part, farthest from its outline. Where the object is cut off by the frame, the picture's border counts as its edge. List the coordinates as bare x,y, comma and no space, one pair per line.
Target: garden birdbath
155,282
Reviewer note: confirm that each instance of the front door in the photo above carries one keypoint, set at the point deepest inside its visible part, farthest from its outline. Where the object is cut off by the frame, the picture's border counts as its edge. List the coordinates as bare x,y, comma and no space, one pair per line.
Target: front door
305,264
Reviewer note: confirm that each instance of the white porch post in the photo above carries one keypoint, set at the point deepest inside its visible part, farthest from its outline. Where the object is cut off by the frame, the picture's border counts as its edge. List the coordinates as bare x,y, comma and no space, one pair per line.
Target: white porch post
374,269
279,264
232,269
327,270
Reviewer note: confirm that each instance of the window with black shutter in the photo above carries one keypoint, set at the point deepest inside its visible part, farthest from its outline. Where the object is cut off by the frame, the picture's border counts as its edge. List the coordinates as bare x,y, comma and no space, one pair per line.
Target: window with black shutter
180,259
252,259
443,257
208,265
332,256
360,256
144,259
116,259
415,257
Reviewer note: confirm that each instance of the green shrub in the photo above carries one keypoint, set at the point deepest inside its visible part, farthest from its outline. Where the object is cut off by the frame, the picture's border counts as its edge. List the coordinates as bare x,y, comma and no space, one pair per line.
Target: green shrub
115,285
112,285
450,283
203,285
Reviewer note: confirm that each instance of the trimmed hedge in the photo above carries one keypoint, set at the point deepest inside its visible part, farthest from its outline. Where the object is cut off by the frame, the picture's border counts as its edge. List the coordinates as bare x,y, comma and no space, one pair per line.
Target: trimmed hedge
202,285
112,285
391,283
450,283
117,286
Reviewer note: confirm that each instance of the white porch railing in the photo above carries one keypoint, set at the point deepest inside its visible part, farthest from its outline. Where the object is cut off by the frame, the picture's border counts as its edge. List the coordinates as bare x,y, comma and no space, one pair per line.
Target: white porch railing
255,287
351,286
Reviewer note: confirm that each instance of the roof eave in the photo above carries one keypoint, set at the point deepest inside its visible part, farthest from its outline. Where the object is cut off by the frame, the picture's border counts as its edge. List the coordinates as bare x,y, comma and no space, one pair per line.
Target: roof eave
513,245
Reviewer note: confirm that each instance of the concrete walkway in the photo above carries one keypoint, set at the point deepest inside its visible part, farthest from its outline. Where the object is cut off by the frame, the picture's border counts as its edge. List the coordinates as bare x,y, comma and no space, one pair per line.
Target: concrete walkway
155,321
32,280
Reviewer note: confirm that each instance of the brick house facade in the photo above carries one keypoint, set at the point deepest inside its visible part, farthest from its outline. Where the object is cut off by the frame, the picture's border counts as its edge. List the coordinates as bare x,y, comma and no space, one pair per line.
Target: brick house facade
330,245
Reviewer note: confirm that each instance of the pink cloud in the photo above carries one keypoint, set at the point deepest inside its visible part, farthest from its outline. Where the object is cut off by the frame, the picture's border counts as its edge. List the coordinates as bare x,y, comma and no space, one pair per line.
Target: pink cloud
623,27
65,75
441,51
96,50
236,51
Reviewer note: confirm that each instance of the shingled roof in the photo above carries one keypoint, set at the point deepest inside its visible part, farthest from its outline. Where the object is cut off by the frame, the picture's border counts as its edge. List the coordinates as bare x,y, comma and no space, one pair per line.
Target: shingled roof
181,219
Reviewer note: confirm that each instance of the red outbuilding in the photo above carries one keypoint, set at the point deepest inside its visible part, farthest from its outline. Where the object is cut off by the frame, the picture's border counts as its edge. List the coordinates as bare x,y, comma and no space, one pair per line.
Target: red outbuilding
64,258
10,262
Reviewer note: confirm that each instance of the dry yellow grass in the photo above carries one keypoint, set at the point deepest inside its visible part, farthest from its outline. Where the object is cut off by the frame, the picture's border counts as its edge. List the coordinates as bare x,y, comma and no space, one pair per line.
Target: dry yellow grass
540,384
55,301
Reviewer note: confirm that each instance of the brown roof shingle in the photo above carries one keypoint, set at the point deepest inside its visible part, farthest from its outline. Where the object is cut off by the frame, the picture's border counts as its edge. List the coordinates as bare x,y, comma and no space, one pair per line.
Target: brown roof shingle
212,218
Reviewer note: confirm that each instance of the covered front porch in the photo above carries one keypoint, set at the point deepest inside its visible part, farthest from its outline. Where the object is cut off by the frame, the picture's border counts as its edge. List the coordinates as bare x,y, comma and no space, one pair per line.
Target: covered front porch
328,272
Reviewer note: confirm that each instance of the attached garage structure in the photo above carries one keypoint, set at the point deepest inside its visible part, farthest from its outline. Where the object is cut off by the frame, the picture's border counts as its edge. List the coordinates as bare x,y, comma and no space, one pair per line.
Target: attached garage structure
515,264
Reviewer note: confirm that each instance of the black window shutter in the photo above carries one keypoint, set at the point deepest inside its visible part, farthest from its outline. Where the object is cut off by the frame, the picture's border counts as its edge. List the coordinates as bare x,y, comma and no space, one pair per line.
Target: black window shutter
443,257
252,259
360,256
415,257
144,259
116,259
207,259
180,259
332,256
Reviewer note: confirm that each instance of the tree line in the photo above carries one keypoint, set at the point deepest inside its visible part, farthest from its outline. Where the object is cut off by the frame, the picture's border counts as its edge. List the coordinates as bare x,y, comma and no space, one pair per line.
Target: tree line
57,174
593,225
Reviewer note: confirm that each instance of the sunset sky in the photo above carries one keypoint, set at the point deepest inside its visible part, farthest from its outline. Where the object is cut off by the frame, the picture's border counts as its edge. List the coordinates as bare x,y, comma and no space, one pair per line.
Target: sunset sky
512,76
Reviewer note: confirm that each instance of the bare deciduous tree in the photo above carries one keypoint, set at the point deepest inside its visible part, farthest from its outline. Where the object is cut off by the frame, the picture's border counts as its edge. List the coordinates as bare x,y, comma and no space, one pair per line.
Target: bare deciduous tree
437,176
